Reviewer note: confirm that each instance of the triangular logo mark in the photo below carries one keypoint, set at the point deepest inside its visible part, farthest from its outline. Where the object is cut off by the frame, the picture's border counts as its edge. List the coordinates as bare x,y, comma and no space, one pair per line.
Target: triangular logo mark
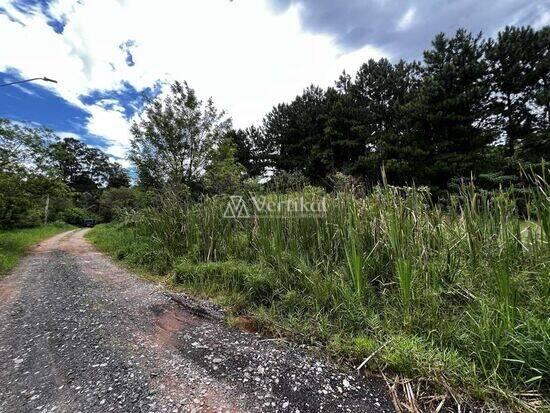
236,208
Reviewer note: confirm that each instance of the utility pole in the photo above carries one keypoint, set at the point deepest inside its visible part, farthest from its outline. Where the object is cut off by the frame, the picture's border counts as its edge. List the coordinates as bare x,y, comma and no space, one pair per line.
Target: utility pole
46,209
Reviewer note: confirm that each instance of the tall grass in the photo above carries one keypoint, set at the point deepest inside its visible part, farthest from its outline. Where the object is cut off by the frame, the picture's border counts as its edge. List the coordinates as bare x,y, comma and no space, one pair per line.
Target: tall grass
458,294
14,243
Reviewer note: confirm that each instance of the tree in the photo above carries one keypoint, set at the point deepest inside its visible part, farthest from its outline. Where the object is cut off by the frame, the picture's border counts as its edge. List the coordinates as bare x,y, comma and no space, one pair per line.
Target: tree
295,130
449,110
265,150
248,153
224,175
83,168
542,69
25,176
22,146
173,138
342,142
352,128
513,59
15,202
114,201
536,146
380,128
429,123
23,195
117,177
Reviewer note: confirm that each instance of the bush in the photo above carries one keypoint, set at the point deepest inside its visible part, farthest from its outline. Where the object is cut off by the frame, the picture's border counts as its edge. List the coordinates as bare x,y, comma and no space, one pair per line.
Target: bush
32,218
76,216
116,201
287,182
23,197
15,202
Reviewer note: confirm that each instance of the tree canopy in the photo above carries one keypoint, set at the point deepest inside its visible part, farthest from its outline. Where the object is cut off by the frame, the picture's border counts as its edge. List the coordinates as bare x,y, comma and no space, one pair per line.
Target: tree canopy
38,169
172,140
473,107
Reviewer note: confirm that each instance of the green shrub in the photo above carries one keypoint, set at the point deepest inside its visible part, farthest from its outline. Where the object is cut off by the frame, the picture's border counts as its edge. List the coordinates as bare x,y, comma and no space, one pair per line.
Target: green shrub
16,204
114,202
76,216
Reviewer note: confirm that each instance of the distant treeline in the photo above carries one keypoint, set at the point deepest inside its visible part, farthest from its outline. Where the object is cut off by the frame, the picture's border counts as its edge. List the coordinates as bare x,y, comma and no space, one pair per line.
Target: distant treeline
44,178
473,107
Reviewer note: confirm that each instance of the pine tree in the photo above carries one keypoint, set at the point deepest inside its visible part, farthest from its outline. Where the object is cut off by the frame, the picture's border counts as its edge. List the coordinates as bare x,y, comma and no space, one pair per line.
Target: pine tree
513,60
249,150
295,131
449,111
379,94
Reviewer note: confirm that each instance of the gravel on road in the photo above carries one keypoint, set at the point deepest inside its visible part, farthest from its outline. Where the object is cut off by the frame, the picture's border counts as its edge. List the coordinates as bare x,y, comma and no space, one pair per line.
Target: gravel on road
80,334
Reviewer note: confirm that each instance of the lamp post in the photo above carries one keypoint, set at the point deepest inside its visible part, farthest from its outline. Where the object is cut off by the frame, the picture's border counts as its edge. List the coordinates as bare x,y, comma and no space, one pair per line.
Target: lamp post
45,79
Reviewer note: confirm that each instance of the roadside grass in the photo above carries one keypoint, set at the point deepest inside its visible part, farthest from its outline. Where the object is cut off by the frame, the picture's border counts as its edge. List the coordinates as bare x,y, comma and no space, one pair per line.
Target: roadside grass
457,298
14,243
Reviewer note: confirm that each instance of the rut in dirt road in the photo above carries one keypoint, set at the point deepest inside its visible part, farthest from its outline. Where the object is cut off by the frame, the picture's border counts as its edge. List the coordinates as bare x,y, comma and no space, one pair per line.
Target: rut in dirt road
78,333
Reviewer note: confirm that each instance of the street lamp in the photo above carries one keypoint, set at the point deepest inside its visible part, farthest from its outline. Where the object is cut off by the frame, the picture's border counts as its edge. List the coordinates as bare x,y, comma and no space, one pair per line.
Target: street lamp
45,79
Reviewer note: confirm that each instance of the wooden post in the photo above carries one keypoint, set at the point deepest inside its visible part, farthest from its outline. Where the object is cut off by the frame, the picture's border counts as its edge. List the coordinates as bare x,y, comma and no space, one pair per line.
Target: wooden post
46,209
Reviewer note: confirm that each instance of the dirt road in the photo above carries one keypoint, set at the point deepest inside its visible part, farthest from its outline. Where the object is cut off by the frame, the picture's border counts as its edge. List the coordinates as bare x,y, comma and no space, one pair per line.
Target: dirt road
79,334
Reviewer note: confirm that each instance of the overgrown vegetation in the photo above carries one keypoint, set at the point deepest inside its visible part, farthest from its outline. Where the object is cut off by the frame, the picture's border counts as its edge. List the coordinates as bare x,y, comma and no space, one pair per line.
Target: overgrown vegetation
443,277
14,243
457,295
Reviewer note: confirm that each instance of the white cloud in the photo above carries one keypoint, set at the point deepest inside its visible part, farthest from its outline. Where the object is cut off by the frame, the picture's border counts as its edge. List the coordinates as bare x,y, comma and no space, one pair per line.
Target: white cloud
113,126
240,53
25,90
543,20
407,20
64,135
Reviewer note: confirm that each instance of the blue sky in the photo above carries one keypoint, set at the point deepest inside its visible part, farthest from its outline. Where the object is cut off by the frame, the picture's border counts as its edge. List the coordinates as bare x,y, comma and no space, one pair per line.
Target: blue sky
247,54
35,104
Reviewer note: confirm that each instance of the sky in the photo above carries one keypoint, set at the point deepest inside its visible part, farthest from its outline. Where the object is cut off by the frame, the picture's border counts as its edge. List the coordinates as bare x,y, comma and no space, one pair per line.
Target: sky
248,55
